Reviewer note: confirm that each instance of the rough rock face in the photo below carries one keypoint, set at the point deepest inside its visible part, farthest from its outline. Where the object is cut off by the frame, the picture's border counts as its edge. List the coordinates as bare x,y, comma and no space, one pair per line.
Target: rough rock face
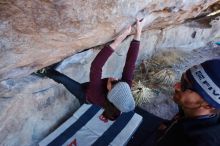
32,107
38,33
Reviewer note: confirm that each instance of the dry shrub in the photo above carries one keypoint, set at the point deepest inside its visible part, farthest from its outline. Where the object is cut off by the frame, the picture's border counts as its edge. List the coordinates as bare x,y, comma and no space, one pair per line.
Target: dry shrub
155,75
142,93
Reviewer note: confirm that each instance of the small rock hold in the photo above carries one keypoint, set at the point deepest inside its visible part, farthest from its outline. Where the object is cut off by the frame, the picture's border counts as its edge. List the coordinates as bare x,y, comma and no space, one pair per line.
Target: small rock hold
193,35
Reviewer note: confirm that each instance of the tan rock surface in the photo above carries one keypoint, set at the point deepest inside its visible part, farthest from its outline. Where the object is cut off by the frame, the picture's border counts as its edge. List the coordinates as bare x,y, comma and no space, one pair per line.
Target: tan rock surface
37,33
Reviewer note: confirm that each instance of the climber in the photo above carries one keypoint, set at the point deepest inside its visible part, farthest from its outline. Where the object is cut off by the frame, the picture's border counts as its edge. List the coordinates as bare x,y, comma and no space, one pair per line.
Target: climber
198,121
113,95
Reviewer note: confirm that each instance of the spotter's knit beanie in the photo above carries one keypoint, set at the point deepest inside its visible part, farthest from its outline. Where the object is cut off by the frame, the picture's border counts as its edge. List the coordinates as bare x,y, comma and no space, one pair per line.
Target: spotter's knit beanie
205,78
121,97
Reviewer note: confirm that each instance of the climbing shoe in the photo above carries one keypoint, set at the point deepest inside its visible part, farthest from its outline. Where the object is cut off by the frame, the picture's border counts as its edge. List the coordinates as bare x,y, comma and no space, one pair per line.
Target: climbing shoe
41,73
46,71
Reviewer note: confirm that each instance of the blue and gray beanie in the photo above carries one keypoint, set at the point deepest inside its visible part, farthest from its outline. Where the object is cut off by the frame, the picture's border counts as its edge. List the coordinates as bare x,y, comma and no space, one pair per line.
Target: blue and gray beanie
121,97
206,81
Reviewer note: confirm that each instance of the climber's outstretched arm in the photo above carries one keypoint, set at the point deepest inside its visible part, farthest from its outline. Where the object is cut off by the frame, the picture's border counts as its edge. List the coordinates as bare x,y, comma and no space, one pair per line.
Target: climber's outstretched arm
132,54
96,67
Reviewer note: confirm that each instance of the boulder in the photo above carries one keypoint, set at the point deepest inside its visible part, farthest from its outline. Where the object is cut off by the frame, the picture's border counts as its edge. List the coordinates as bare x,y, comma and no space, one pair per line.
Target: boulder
37,33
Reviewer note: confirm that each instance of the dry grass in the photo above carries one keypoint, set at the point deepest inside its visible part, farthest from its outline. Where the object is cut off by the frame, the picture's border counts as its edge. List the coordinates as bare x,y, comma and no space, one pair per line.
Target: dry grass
142,93
155,75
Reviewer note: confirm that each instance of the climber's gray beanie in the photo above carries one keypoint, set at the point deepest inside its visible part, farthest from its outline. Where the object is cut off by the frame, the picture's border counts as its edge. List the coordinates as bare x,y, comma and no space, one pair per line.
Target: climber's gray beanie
120,95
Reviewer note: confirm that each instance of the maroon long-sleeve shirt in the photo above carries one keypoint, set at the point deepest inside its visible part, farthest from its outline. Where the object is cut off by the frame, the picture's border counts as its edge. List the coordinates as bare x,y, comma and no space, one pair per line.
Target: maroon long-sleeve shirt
97,91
